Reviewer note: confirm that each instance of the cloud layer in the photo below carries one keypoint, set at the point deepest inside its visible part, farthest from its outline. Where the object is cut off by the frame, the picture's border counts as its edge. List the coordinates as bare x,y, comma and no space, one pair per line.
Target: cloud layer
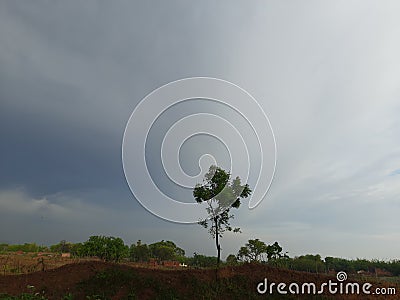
326,74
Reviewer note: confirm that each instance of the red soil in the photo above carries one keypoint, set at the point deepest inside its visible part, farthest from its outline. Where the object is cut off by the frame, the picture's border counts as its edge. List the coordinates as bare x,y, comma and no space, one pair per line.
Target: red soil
56,283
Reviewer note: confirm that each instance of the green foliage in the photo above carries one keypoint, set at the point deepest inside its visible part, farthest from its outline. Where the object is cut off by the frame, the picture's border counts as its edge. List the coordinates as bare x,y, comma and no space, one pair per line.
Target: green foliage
252,251
76,249
202,261
308,263
139,252
393,267
3,248
221,195
26,247
61,247
341,264
231,260
165,250
274,252
107,248
256,250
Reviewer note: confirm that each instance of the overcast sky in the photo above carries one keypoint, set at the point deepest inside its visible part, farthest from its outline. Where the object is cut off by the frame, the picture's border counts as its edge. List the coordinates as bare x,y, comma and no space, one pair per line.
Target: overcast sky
326,73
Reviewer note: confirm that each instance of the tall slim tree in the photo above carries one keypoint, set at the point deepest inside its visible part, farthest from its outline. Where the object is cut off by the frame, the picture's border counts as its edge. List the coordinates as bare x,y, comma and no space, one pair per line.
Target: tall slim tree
221,195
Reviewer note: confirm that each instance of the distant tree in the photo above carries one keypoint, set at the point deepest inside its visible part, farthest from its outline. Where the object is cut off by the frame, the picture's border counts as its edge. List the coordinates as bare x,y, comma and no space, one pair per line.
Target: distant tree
65,246
308,263
393,266
202,261
166,250
221,195
256,250
139,252
338,264
274,251
106,248
116,249
76,249
252,251
62,247
55,248
231,259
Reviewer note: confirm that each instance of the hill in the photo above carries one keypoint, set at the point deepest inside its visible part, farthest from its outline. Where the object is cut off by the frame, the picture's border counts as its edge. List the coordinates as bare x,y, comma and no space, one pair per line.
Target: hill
100,280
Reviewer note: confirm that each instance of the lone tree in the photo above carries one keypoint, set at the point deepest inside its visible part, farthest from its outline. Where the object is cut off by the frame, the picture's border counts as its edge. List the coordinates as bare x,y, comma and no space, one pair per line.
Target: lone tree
221,195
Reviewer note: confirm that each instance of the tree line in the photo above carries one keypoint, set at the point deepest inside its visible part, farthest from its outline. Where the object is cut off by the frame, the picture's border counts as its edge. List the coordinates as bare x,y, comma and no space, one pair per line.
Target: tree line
257,251
254,251
315,264
113,249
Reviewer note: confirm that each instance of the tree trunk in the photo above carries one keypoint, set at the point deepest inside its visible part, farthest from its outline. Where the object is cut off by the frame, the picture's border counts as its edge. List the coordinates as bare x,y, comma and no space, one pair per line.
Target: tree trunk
217,241
218,248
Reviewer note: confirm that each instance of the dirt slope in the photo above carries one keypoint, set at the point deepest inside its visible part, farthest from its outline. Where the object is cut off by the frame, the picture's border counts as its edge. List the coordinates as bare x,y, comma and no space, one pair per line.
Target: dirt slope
100,280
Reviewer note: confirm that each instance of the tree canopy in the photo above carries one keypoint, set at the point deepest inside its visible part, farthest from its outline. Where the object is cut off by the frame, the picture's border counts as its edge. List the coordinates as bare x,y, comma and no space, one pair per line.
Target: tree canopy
256,250
105,247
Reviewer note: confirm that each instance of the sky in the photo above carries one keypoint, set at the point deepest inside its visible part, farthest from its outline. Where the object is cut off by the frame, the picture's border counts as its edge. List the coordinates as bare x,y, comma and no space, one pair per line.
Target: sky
326,74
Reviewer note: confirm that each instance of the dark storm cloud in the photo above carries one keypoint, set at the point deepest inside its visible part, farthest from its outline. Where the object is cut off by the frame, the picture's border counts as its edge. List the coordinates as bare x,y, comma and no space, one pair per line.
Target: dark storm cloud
70,78
71,74
46,152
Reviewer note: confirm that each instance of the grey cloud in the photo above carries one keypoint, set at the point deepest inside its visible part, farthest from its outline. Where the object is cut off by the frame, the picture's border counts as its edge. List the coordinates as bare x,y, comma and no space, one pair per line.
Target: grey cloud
326,74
